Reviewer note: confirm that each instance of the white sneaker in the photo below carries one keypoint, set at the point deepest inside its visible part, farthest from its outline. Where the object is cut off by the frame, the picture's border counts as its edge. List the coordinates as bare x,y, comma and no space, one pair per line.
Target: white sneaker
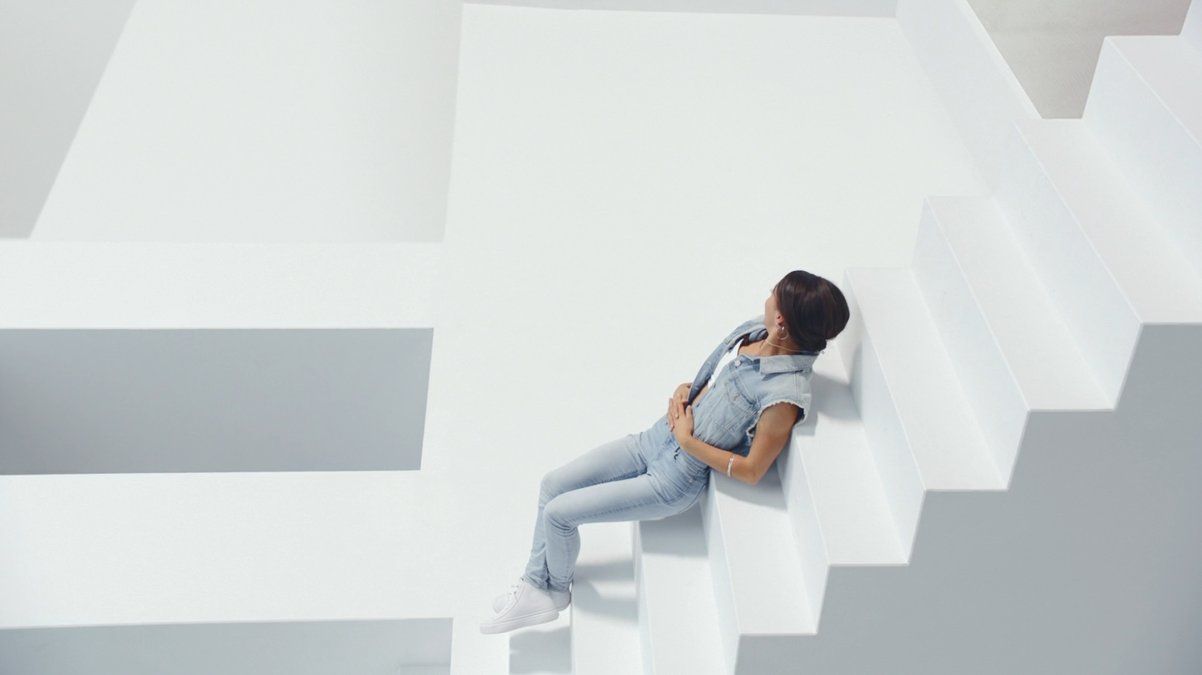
525,605
562,598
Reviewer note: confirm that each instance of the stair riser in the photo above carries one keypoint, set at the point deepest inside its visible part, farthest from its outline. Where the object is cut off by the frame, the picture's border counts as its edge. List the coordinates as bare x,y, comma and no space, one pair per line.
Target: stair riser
803,515
641,596
1094,307
904,489
724,586
1152,148
991,388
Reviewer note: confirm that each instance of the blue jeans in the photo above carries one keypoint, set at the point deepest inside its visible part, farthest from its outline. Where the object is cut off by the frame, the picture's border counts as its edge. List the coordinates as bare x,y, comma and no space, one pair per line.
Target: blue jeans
643,476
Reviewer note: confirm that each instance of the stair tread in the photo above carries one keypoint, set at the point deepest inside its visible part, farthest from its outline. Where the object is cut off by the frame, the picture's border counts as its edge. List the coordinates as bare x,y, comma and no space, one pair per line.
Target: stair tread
1155,275
768,592
1172,68
604,609
475,653
677,597
1038,347
848,498
948,446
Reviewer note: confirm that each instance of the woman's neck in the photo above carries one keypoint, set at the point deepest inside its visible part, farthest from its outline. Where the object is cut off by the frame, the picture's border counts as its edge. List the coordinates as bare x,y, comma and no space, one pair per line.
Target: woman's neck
765,348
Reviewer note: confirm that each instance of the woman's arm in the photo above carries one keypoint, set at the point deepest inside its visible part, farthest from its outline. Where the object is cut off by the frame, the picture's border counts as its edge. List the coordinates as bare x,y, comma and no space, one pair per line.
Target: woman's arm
717,458
771,435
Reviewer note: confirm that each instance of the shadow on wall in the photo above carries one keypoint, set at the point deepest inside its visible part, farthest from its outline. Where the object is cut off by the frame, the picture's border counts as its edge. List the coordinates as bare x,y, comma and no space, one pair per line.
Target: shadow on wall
52,54
1052,45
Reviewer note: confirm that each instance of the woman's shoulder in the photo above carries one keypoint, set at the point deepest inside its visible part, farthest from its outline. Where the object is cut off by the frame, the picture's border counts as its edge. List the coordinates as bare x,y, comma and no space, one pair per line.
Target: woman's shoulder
791,384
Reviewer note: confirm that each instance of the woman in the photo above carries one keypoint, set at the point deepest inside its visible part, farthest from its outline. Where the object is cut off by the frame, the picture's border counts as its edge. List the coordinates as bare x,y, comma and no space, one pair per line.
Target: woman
735,418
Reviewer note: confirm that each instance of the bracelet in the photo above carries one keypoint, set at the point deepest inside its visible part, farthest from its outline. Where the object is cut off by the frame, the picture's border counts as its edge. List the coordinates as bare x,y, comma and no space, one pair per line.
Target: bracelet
730,462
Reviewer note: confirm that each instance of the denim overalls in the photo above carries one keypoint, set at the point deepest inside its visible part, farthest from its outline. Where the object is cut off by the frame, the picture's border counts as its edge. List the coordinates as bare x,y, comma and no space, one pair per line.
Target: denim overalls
647,475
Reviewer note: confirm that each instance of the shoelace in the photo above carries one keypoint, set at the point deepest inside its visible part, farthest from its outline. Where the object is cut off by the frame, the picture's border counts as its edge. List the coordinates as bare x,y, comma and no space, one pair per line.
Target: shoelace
513,590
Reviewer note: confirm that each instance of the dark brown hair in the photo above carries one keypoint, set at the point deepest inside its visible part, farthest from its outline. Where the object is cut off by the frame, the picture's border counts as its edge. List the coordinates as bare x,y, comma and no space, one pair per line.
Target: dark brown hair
814,309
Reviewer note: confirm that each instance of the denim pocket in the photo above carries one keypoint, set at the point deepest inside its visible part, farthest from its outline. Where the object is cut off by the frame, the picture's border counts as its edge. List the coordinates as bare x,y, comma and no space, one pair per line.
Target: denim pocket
726,418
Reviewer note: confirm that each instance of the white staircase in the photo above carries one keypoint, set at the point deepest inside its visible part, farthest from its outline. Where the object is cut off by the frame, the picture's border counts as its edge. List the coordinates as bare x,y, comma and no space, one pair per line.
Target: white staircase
1028,302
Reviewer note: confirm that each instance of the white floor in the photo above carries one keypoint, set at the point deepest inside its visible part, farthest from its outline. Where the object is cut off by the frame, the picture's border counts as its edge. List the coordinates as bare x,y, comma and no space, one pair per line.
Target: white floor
626,186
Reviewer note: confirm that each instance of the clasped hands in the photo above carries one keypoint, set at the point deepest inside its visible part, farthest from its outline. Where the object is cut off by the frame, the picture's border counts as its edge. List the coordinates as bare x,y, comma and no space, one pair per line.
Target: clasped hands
680,416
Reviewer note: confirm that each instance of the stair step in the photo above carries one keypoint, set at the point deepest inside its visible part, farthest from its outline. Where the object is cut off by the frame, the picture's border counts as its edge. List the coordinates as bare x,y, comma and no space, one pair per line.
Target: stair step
1049,368
1105,260
604,610
1155,275
678,619
757,573
921,428
474,653
1145,105
835,499
1012,348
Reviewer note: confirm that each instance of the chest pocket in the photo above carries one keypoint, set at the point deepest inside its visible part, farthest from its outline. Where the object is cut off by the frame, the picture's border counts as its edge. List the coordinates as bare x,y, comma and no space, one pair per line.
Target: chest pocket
723,416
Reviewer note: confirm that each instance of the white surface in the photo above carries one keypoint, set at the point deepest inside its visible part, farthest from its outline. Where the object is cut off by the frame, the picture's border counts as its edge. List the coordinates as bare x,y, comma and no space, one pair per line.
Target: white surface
217,285
1052,45
1192,30
975,84
676,603
1146,109
837,506
921,428
1156,275
986,301
272,120
52,54
397,647
1046,364
604,610
554,182
757,575
1090,238
474,653
811,7
563,135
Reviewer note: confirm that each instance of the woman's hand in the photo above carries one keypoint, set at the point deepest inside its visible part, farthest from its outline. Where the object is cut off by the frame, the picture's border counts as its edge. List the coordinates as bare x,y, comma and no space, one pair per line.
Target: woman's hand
680,418
681,394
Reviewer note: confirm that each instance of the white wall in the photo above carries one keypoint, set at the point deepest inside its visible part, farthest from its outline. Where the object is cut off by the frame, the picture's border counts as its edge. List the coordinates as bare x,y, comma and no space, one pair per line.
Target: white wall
52,53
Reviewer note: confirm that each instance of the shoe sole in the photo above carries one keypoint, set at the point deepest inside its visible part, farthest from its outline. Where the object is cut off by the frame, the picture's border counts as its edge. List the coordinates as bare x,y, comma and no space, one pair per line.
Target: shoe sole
519,622
559,607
